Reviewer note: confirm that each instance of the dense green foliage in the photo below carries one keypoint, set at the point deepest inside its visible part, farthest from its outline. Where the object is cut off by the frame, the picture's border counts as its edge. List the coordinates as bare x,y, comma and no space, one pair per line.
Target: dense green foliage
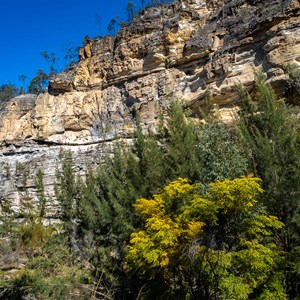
271,131
221,234
293,83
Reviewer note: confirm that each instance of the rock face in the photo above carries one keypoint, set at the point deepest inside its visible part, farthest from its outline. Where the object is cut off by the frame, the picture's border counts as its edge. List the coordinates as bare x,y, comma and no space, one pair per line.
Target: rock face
179,50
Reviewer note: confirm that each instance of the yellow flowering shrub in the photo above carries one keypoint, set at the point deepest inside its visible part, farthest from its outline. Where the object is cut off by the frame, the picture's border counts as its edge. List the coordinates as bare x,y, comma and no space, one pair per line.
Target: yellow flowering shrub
216,241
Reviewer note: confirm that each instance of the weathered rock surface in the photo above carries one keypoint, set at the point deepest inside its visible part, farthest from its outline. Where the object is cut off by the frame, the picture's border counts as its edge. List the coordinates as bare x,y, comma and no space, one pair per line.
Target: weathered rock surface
175,51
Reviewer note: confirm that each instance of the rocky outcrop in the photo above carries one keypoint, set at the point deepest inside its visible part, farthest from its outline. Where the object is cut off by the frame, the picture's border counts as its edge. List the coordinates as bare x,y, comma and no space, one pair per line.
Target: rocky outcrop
178,50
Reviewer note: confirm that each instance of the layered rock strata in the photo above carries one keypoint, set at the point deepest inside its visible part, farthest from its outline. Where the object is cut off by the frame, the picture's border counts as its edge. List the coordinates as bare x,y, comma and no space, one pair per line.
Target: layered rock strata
178,50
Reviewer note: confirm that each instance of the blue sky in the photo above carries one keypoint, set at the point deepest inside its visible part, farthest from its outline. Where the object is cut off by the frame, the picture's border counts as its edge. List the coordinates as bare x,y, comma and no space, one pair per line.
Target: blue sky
29,27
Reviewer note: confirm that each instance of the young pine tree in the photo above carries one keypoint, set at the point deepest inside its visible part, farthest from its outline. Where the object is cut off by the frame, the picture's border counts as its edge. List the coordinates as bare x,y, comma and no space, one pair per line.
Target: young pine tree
151,166
40,191
66,193
180,138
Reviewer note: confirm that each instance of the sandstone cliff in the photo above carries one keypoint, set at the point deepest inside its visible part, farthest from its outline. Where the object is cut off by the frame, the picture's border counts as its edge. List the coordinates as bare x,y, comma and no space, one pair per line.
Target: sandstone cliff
178,50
